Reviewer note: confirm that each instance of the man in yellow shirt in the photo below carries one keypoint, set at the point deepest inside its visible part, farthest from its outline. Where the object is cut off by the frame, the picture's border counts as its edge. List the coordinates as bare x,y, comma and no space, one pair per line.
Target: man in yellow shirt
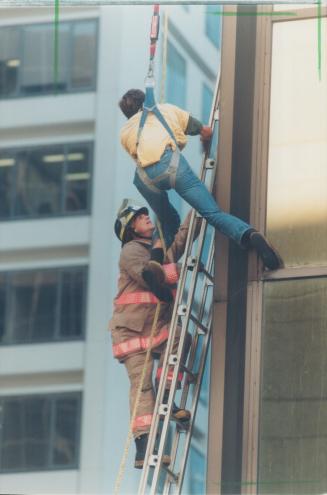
161,166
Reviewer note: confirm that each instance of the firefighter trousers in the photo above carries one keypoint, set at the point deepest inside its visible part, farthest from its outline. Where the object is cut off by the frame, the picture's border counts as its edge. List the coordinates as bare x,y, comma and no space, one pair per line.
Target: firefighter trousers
134,366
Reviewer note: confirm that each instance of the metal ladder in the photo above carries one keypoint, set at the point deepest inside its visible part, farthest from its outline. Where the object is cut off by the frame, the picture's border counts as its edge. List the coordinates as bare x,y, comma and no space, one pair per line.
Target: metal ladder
193,314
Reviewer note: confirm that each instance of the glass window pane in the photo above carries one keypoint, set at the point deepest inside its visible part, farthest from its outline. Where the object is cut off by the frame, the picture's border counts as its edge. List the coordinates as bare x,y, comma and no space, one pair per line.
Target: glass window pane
36,432
65,447
77,178
33,306
39,182
12,452
38,74
176,77
293,429
73,287
9,60
213,23
3,303
84,55
7,166
297,182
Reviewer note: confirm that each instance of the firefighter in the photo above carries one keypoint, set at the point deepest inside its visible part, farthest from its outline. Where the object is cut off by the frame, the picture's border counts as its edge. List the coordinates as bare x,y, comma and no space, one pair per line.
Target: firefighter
155,146
145,278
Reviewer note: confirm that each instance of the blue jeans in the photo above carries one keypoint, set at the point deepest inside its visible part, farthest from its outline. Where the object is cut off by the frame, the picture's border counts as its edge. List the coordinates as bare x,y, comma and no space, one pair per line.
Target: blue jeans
195,193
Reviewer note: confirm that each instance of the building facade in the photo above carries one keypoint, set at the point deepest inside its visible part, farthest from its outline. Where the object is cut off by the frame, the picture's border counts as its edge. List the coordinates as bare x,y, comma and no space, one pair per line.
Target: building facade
63,174
268,378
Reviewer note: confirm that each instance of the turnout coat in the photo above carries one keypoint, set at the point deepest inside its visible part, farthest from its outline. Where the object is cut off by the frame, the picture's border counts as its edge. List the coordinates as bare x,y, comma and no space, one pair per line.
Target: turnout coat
135,304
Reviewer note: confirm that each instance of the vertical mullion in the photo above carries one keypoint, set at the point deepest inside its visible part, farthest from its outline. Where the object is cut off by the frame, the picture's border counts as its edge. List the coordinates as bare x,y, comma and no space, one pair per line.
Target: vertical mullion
10,314
85,301
14,187
52,407
63,181
58,306
70,56
21,53
90,171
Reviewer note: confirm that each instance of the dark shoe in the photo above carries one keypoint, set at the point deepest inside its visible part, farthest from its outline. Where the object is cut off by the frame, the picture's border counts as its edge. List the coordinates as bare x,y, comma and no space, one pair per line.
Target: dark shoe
141,443
182,415
270,257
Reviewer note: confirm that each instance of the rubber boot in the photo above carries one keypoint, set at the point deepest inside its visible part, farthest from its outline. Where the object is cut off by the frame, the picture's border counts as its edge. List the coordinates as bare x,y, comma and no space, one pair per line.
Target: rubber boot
141,443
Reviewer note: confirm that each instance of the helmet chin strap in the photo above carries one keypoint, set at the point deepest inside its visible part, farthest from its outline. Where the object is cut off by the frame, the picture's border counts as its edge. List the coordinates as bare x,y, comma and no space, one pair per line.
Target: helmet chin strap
141,236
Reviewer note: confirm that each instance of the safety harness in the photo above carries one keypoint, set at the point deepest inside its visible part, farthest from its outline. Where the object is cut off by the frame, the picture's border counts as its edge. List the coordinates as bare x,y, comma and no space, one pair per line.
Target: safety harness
150,105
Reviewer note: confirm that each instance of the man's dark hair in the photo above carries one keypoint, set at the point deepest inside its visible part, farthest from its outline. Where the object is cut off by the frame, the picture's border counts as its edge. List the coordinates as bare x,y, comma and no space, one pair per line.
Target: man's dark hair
132,102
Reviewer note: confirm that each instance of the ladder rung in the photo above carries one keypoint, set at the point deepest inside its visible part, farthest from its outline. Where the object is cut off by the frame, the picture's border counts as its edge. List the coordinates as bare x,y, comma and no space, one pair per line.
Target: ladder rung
192,377
171,473
199,324
207,274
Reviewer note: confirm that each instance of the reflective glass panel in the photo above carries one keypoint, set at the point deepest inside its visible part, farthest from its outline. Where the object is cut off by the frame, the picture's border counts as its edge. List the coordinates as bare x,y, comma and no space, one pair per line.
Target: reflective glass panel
7,167
77,178
66,428
33,306
38,71
293,425
39,432
39,182
25,437
83,55
297,181
10,60
73,288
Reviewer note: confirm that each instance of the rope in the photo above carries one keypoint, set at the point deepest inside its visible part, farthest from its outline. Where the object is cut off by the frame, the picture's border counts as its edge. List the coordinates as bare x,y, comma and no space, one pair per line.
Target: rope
164,59
122,465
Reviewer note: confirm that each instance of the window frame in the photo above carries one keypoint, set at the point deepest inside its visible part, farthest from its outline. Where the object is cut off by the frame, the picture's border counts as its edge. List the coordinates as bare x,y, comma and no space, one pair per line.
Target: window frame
62,214
259,187
70,90
52,397
8,274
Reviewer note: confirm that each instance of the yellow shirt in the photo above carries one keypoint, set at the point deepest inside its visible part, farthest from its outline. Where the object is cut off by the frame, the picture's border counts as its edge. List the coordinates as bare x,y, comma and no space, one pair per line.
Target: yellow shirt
154,138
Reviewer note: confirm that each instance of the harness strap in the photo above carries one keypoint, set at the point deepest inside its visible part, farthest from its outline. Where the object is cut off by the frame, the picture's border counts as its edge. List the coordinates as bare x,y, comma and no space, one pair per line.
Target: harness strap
170,173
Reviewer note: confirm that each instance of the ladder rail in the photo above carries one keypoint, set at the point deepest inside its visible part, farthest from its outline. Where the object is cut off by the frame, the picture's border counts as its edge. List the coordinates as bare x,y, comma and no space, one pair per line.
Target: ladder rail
196,389
173,383
156,461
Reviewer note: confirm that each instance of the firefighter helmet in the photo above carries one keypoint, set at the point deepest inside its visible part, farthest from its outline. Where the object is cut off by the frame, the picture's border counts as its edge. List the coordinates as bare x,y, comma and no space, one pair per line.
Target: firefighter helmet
126,213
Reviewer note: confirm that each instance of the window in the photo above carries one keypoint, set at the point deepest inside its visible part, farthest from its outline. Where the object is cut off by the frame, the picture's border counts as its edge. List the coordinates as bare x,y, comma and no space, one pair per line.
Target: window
297,180
27,64
176,77
213,23
39,432
293,430
45,305
45,181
